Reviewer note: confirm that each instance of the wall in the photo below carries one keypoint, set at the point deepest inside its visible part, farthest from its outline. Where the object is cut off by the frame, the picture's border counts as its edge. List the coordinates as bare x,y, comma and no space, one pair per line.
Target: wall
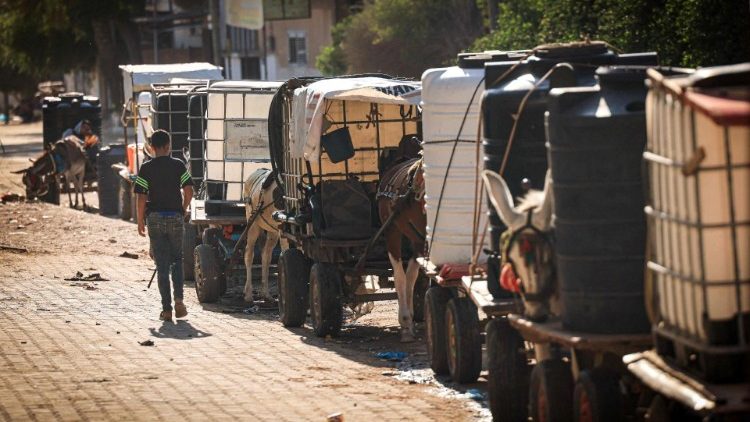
317,31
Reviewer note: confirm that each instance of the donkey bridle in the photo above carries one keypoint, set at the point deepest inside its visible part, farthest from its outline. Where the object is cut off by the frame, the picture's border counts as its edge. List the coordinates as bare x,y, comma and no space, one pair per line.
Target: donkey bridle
547,285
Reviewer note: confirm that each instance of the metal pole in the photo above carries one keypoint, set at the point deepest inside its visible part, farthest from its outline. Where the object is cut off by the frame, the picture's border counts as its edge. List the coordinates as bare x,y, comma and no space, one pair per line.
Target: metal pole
155,32
215,9
265,54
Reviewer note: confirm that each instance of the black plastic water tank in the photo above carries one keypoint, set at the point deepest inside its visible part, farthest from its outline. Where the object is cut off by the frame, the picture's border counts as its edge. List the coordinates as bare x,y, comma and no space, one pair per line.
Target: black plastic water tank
505,91
596,141
64,112
196,133
107,181
52,126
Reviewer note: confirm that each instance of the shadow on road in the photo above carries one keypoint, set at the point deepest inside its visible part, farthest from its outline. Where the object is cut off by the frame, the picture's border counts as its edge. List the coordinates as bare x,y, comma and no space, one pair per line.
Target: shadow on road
181,330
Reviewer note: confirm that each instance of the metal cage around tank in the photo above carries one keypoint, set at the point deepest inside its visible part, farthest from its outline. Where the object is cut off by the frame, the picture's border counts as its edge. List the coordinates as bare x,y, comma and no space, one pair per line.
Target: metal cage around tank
169,112
698,209
196,140
236,139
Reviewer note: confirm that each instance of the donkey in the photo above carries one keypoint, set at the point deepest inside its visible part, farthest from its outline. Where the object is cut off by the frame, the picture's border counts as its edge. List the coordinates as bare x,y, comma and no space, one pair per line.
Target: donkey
401,197
263,196
528,255
66,159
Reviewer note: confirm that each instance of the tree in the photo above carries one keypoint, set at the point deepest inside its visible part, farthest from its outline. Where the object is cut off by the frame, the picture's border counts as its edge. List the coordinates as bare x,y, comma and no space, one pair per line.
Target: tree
684,32
45,38
401,37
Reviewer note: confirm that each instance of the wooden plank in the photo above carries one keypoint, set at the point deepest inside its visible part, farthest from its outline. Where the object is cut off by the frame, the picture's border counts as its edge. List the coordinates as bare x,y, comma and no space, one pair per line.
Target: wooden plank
198,215
476,288
553,332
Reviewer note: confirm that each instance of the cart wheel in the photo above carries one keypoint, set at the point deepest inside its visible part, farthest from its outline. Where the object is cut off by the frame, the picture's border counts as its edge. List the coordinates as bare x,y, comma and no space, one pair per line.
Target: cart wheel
207,274
124,205
549,392
435,302
420,288
464,343
189,242
597,396
508,376
325,299
293,287
211,236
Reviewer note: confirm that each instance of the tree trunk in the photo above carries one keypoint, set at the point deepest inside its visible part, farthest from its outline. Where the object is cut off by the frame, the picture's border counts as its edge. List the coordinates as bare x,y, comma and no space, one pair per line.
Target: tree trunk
106,48
129,34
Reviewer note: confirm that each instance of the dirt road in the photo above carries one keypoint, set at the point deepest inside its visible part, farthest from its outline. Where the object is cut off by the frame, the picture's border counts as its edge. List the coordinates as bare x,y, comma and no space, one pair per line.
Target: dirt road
70,350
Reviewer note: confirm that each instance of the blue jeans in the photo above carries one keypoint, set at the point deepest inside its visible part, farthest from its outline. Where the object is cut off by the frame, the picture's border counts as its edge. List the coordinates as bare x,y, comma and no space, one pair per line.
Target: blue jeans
165,234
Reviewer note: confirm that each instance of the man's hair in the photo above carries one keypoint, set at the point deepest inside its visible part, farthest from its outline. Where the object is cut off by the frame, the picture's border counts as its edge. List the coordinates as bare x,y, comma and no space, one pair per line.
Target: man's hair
159,138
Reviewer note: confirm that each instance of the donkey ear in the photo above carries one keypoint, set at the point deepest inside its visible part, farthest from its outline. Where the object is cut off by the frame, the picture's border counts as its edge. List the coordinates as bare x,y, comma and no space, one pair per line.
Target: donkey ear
542,216
501,199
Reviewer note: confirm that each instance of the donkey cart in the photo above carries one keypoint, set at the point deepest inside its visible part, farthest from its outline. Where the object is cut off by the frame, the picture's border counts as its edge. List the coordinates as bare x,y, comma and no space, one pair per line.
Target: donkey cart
332,141
228,142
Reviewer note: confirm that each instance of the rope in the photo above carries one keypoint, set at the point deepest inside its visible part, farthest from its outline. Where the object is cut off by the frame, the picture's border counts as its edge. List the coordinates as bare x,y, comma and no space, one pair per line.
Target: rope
450,163
506,154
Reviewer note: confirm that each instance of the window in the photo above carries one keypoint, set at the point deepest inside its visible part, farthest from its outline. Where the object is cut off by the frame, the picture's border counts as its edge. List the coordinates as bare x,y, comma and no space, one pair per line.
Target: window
297,47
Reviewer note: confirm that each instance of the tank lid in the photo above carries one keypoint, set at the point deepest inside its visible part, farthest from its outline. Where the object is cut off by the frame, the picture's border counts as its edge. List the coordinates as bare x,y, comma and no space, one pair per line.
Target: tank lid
477,60
575,49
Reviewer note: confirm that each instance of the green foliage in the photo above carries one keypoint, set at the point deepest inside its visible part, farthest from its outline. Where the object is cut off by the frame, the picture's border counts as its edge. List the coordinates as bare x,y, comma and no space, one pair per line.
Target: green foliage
40,39
332,60
684,32
401,37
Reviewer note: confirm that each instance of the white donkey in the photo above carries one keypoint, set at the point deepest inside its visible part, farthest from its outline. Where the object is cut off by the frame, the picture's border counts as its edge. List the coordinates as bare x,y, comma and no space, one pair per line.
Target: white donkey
262,195
528,255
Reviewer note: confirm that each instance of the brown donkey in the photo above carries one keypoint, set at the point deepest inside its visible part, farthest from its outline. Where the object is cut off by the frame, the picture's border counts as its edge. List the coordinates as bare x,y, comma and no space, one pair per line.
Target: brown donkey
401,198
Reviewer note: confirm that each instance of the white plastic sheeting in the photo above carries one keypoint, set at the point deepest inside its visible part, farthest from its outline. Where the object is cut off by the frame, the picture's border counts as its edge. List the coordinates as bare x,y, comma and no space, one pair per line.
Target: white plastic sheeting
139,77
309,106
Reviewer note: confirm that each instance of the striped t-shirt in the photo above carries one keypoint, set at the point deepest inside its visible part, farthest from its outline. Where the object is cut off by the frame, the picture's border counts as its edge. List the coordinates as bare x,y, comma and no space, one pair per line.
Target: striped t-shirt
162,179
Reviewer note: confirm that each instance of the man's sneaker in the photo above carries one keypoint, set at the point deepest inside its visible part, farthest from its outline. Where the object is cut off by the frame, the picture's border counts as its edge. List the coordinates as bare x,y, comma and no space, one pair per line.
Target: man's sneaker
165,316
180,310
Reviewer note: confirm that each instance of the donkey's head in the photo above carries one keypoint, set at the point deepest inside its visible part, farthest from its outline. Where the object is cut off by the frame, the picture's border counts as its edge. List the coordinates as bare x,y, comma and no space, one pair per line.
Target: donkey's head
35,177
528,257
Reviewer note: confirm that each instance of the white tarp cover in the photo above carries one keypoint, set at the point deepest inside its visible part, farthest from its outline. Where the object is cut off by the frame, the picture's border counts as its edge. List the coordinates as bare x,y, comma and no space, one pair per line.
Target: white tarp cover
139,77
308,106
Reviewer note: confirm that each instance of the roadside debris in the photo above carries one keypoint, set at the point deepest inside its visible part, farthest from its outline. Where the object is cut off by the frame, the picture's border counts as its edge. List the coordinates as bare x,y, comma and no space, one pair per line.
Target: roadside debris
475,394
13,248
12,197
335,417
128,255
146,343
391,356
91,277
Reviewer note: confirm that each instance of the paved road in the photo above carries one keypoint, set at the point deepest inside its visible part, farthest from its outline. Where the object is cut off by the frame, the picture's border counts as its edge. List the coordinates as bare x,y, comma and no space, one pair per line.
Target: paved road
69,350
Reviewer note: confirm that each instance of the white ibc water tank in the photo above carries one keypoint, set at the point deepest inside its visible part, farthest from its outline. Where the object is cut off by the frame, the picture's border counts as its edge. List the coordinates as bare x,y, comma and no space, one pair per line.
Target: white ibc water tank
446,94
237,132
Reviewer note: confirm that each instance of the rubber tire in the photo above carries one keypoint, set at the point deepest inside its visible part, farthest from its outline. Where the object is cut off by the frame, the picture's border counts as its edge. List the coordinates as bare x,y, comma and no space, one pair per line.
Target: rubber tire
508,376
327,312
602,389
207,274
125,203
418,302
189,242
550,391
294,287
463,340
211,236
435,303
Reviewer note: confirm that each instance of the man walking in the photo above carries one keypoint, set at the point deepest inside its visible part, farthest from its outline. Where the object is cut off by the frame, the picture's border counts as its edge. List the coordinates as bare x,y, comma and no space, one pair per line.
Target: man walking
162,205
